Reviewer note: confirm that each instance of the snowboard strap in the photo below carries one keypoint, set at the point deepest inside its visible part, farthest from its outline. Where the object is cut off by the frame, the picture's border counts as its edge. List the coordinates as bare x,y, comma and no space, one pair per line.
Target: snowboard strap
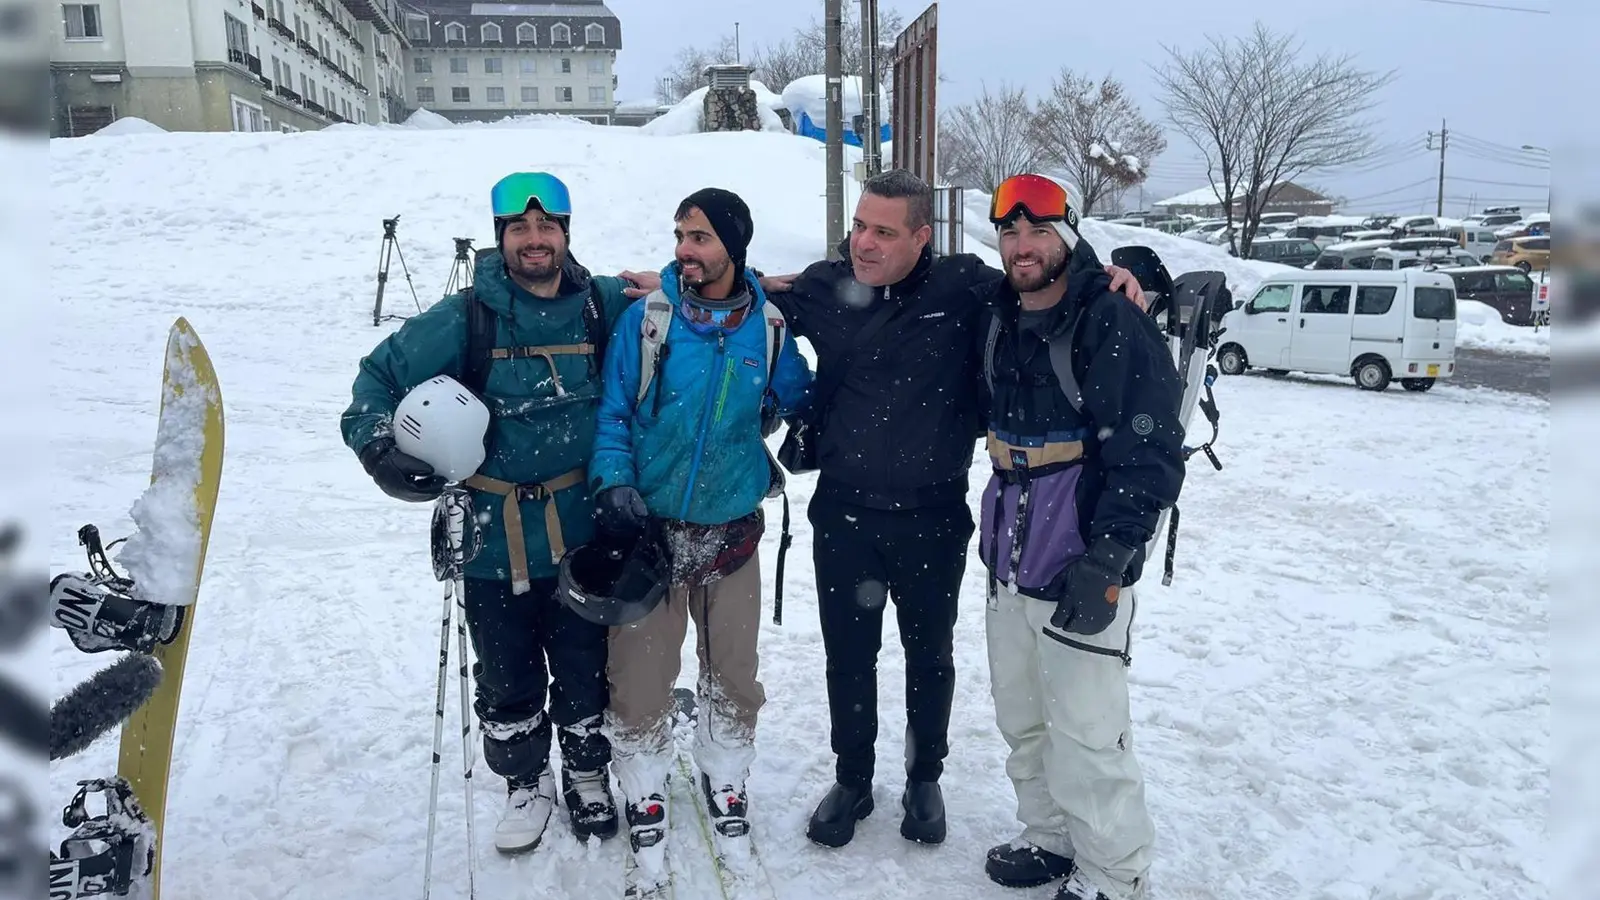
516,543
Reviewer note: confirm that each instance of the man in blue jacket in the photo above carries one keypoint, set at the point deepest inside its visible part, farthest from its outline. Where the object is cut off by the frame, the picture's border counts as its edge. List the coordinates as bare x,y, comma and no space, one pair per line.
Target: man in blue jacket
695,371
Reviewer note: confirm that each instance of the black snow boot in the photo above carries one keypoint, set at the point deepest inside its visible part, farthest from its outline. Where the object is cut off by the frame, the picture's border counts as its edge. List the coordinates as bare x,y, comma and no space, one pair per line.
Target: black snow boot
924,806
834,822
1020,864
589,803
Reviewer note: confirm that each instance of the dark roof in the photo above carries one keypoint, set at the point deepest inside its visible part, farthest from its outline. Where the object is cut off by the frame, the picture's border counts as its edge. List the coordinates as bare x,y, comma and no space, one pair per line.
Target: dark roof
575,14
1289,192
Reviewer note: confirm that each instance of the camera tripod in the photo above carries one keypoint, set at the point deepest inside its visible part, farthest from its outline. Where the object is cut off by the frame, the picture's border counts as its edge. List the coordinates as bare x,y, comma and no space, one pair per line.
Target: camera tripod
391,245
461,267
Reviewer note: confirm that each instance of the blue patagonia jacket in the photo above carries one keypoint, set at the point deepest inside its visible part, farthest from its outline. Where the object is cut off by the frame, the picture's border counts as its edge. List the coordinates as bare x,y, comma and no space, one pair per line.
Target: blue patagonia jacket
702,459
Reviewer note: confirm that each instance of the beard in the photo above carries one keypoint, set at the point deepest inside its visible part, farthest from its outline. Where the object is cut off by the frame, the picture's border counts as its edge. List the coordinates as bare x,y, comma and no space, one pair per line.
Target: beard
1050,268
529,270
708,273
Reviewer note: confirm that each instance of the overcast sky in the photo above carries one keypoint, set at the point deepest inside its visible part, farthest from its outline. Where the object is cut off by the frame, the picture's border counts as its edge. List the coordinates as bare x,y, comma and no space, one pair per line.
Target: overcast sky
1480,69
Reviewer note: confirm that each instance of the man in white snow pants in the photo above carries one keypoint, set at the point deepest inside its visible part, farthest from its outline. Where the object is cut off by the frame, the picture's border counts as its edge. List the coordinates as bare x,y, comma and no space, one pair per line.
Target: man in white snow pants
1086,444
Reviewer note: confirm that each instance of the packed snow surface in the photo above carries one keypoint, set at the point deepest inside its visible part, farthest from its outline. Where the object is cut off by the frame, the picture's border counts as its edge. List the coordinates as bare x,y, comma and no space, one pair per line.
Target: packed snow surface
1344,694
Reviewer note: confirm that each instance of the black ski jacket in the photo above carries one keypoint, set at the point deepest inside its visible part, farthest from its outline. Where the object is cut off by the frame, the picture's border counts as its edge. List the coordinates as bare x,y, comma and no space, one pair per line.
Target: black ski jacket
1132,454
900,431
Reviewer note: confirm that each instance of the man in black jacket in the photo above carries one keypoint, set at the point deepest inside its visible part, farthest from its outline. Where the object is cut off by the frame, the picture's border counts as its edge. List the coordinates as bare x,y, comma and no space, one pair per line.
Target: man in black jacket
1086,444
890,517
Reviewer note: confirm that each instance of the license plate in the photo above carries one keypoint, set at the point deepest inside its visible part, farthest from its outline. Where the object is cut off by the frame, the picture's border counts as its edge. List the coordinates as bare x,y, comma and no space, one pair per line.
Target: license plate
1433,369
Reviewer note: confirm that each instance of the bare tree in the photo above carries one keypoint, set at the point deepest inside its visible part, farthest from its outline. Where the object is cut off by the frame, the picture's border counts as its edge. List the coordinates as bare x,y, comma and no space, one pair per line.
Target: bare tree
1094,133
805,51
1263,117
687,73
990,139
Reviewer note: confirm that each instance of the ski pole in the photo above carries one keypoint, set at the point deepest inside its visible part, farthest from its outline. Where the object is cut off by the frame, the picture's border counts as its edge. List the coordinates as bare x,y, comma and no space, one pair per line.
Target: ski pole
458,518
438,741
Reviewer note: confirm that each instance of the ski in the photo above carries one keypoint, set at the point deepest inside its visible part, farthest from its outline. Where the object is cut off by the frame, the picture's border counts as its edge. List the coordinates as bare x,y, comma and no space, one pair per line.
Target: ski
741,875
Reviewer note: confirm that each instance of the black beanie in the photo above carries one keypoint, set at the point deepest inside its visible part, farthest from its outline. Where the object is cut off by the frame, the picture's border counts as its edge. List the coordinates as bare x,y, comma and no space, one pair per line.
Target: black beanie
730,219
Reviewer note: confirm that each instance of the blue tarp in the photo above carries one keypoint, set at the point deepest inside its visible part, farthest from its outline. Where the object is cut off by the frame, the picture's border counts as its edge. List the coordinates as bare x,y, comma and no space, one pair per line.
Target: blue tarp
808,128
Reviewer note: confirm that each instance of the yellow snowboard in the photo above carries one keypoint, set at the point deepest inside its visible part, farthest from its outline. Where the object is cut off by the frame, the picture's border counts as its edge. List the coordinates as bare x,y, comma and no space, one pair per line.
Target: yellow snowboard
166,556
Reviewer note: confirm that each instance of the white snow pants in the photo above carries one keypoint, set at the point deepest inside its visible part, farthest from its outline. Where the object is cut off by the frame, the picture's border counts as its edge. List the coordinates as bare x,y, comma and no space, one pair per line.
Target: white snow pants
1064,712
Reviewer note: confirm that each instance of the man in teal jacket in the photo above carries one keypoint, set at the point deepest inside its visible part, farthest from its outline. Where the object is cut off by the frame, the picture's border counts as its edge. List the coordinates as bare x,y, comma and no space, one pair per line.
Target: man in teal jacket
547,316
688,452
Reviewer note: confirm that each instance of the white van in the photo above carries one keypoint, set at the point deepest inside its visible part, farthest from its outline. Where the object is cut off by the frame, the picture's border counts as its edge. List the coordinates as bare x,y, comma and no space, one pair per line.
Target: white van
1372,326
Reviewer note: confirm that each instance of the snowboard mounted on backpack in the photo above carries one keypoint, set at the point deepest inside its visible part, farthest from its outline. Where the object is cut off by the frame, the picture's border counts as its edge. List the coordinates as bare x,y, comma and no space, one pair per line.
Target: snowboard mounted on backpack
1189,310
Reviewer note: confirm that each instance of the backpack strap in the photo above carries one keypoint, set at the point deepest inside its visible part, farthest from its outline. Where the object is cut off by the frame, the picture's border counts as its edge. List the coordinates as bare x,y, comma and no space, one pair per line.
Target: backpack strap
1061,361
776,325
989,344
480,342
652,336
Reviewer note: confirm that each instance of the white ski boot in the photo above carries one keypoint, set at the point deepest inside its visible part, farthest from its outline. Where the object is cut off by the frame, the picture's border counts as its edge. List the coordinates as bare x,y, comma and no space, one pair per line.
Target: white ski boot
527,813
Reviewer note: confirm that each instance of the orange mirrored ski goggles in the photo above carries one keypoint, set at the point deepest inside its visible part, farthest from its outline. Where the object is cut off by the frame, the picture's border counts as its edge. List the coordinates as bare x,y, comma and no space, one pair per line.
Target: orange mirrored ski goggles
1038,196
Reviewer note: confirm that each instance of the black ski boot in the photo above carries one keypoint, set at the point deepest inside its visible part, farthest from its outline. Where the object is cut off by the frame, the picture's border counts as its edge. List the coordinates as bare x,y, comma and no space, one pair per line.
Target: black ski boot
589,803
834,822
730,811
1020,864
647,822
924,806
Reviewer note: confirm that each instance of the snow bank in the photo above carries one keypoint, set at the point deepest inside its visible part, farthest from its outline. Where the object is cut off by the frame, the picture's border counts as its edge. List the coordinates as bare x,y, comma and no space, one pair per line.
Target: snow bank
687,116
809,95
1481,325
427,119
131,125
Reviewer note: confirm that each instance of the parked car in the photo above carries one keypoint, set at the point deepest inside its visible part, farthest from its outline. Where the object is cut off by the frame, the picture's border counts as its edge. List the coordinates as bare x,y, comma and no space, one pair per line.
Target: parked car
1506,288
1416,225
1372,326
1349,255
1296,252
1479,240
1526,253
1534,224
1201,230
1393,257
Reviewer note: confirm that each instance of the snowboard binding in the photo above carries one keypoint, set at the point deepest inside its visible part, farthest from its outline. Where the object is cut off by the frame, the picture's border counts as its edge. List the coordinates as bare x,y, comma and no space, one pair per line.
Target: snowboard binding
106,854
99,609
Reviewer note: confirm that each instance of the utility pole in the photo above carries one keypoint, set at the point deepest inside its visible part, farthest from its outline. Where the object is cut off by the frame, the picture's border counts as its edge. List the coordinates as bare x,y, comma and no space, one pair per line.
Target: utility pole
737,56
1444,140
871,150
833,18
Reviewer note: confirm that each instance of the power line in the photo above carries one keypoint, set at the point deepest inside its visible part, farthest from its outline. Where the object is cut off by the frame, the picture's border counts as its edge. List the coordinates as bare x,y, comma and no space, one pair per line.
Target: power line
1520,9
1403,187
1499,183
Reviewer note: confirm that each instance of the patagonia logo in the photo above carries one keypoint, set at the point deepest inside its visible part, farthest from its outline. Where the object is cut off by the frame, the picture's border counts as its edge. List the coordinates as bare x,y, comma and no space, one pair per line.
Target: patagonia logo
1143,424
751,363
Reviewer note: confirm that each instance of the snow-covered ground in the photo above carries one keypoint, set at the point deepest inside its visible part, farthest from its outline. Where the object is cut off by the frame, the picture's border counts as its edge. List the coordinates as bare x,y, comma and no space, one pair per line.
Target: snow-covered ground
1344,694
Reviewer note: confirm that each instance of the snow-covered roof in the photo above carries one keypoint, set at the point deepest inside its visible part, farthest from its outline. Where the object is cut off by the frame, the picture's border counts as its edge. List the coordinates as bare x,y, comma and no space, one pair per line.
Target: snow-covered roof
1206,196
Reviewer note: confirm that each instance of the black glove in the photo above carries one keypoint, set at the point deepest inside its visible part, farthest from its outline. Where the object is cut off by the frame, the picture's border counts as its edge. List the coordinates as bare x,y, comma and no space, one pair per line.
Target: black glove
619,512
1086,598
400,475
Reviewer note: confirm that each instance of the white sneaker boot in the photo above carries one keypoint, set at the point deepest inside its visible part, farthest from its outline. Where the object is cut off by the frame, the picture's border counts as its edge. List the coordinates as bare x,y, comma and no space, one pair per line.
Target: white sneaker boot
527,813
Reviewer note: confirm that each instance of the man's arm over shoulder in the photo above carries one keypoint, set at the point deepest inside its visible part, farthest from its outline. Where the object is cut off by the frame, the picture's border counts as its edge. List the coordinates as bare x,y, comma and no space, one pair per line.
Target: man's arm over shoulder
611,463
427,345
814,290
1132,394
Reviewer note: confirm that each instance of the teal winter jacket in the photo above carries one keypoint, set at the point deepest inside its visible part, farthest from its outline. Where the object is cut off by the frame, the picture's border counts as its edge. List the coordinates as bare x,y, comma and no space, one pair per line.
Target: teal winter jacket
693,447
536,434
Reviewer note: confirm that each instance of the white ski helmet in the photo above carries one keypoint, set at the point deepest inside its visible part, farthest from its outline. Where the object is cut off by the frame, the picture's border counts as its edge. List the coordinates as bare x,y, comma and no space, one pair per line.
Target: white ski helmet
443,424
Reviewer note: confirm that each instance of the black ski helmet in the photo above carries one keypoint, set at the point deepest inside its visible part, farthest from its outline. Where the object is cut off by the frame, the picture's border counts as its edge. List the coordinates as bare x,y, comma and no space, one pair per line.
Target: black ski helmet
611,584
